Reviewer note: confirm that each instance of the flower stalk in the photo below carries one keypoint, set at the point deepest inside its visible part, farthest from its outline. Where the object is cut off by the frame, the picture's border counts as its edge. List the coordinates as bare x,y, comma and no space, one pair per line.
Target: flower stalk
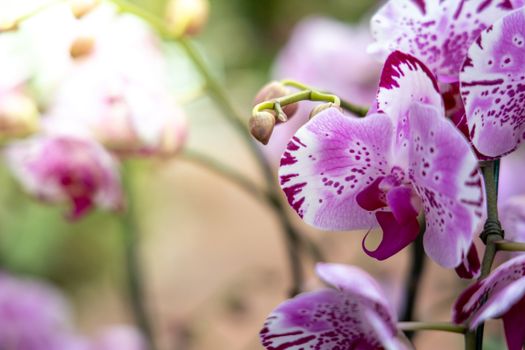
431,326
492,231
133,271
508,246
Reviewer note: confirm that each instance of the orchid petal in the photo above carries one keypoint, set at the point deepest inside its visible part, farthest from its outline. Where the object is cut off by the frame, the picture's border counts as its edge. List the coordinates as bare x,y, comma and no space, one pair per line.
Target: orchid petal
439,32
355,281
492,86
514,326
356,316
513,218
470,266
396,235
494,296
329,161
444,172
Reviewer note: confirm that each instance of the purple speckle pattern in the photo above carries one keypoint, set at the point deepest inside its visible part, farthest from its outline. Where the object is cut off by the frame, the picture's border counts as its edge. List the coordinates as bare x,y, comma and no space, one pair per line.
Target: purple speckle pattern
329,161
504,288
439,32
444,171
346,318
493,86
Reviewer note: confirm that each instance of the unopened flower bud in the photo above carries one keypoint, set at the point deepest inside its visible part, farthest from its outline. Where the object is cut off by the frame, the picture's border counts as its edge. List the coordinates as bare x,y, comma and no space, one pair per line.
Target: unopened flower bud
187,17
261,126
82,46
18,115
323,107
272,91
8,26
80,8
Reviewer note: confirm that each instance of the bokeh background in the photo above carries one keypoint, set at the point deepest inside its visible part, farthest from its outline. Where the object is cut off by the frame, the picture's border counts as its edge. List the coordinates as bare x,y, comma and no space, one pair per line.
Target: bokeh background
213,256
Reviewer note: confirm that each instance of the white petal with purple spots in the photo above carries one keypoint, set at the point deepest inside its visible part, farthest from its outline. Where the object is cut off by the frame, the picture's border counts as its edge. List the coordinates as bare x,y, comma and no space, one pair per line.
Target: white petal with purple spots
438,32
444,171
493,86
329,161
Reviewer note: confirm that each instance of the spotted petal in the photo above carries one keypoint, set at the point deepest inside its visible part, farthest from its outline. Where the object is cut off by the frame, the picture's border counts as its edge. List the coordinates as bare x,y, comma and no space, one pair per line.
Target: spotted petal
493,86
353,317
438,32
444,171
329,161
503,290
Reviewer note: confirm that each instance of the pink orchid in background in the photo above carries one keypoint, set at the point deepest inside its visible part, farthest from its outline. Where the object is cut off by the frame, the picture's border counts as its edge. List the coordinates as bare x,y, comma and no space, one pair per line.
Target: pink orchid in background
120,95
354,314
316,46
493,86
345,173
117,338
438,32
60,169
501,295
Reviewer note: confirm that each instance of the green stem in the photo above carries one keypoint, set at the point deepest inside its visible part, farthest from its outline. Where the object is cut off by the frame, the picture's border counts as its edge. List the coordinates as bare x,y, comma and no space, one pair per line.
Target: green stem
431,326
470,340
492,231
305,95
509,246
130,236
359,111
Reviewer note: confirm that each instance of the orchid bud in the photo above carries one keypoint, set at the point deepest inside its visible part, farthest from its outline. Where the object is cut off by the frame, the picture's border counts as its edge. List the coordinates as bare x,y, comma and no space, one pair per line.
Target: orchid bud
8,26
59,169
322,107
187,17
80,8
272,91
19,115
261,126
81,47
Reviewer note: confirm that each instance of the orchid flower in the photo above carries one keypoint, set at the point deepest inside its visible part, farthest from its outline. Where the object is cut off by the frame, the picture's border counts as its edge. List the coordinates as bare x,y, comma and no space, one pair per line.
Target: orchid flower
493,86
345,173
354,313
501,295
438,32
60,168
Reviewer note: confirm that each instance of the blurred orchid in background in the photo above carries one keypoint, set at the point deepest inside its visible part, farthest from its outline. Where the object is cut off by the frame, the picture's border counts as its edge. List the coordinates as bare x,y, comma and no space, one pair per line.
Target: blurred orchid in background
36,316
60,169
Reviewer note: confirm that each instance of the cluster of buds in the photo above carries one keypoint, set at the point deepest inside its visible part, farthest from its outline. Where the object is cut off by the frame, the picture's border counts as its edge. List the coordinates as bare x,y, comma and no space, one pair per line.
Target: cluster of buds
275,103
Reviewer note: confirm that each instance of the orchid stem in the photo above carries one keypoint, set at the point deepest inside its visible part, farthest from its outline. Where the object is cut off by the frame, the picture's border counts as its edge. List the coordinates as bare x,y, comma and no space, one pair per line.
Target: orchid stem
509,246
358,111
492,231
133,271
431,326
414,280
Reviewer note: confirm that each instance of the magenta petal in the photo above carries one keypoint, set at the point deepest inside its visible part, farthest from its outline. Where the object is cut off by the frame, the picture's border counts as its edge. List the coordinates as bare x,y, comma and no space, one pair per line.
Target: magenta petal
326,319
470,266
444,172
400,202
372,197
492,86
439,32
329,161
396,235
514,326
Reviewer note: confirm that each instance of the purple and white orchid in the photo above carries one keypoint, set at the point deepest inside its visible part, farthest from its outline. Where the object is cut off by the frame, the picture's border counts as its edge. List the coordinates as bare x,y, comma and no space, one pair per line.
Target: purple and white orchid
493,86
345,173
354,314
501,295
438,32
